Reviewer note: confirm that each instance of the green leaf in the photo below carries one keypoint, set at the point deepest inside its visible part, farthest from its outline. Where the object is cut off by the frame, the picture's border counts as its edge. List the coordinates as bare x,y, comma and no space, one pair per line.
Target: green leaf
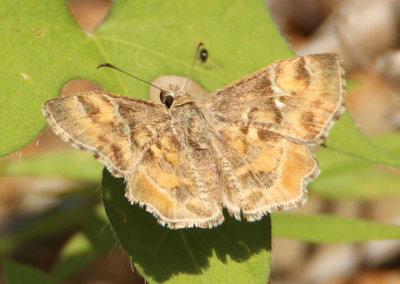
48,224
345,177
43,48
346,138
72,164
330,229
352,84
39,40
234,252
84,247
16,273
390,142
350,178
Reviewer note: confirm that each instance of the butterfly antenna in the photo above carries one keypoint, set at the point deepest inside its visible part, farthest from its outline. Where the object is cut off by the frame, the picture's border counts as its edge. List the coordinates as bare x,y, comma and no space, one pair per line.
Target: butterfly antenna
193,62
137,78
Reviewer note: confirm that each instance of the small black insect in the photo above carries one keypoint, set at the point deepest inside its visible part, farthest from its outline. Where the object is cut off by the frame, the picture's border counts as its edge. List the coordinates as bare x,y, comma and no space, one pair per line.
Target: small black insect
203,55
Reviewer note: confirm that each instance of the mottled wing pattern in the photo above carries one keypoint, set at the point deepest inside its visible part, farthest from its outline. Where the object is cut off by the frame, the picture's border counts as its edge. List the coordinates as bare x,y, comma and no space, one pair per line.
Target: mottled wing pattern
298,98
264,124
262,171
116,129
178,177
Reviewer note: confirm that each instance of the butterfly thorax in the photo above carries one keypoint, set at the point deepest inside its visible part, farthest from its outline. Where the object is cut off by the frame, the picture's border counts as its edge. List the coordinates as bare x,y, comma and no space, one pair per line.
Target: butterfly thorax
189,120
181,98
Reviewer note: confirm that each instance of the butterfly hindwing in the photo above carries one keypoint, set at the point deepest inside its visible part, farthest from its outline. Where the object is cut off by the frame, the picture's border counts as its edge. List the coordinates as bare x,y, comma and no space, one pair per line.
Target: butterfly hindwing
263,171
178,178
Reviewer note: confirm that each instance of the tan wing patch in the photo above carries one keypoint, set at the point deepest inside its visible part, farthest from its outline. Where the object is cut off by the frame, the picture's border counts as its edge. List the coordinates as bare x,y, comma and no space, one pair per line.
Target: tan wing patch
262,171
315,88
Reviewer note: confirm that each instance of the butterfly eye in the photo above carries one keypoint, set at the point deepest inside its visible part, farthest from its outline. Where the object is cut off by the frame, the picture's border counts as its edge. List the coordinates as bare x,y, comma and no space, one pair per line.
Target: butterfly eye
166,98
168,101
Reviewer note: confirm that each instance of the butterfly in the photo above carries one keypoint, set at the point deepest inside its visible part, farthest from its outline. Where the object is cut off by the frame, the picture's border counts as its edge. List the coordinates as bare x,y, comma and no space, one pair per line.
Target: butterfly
244,147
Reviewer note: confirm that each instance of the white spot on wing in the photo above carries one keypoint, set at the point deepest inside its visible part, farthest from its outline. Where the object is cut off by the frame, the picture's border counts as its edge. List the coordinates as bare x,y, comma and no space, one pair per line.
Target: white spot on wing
278,102
274,86
117,115
80,106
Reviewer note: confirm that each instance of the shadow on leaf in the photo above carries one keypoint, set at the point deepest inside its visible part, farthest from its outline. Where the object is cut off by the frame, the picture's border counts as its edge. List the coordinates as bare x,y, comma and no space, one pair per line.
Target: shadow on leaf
160,253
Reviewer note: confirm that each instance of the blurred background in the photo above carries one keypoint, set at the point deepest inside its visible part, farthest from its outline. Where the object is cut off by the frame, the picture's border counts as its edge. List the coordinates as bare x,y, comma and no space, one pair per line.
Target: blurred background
365,33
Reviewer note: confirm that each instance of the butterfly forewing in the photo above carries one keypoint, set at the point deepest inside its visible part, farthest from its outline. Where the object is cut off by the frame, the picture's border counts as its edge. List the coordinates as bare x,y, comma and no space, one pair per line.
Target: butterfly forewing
116,129
298,98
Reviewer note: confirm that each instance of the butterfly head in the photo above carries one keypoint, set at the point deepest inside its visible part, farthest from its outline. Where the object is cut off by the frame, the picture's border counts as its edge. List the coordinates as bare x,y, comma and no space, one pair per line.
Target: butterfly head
175,98
167,98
